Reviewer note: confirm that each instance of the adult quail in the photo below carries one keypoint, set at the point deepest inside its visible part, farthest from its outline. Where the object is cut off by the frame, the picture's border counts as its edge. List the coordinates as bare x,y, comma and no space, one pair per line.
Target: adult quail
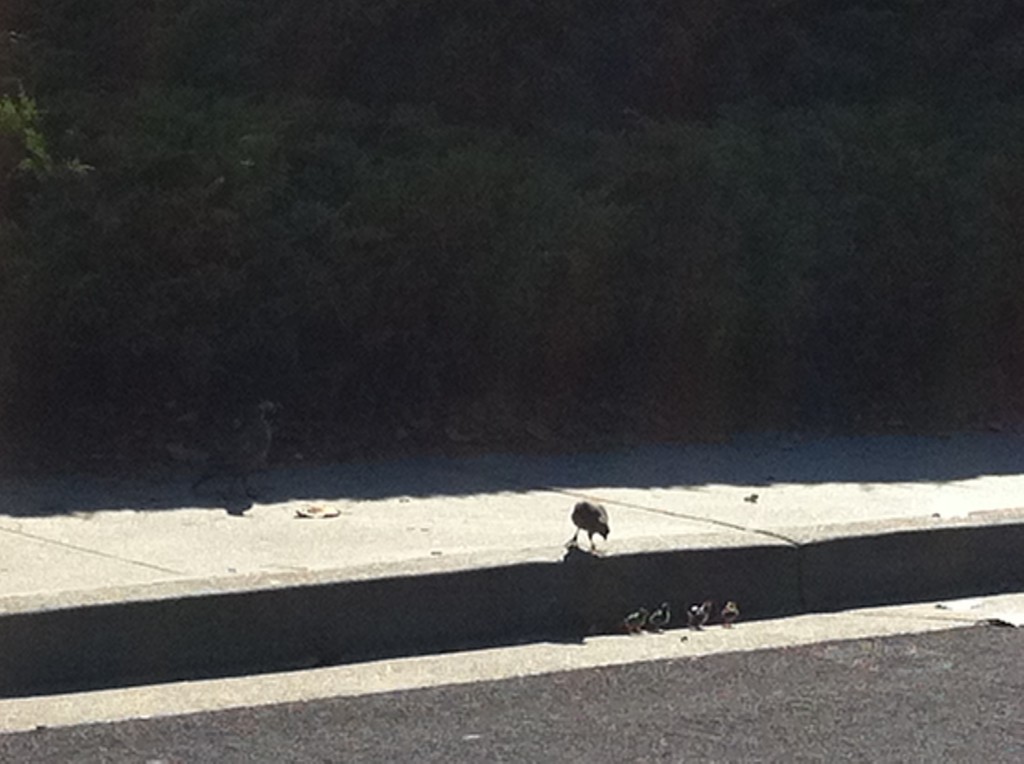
241,448
589,517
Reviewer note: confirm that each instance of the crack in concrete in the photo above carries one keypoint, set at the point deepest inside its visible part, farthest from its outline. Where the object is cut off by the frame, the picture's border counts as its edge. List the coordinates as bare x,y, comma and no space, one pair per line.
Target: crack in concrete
86,550
680,515
463,470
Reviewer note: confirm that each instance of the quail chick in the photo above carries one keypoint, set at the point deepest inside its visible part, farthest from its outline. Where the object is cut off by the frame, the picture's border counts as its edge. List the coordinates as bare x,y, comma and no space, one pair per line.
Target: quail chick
730,613
697,616
589,517
660,618
635,621
240,449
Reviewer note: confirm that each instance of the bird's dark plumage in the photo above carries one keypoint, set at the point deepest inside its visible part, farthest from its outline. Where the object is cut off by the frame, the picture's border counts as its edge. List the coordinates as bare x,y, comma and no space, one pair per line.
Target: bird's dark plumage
240,448
730,613
635,621
698,615
589,517
660,618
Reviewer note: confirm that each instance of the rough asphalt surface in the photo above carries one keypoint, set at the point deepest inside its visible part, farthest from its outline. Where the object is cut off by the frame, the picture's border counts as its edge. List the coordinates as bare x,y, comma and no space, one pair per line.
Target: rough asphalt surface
946,696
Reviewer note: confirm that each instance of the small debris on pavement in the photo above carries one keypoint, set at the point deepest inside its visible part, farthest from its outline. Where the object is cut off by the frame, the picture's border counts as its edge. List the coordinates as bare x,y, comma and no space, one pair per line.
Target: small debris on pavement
960,605
1012,619
316,512
1002,617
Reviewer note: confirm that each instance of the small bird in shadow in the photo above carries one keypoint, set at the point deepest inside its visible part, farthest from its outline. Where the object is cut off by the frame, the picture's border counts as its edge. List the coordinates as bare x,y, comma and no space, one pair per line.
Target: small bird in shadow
589,517
730,612
240,449
660,618
634,622
697,616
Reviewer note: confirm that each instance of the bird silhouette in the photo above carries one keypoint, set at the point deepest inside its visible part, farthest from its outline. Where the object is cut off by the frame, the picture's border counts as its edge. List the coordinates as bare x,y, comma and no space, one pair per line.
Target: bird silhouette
240,448
589,517
660,618
635,621
697,616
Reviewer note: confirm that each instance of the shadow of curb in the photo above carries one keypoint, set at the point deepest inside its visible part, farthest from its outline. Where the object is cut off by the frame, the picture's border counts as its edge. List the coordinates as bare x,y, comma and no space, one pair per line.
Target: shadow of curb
213,634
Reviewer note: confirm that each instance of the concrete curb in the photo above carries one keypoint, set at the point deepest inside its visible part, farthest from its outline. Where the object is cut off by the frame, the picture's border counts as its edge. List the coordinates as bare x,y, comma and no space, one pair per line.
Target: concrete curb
206,629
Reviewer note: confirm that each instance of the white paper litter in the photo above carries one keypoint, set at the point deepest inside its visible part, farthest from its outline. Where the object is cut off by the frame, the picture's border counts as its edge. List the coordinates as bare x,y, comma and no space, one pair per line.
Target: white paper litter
993,614
961,605
1007,618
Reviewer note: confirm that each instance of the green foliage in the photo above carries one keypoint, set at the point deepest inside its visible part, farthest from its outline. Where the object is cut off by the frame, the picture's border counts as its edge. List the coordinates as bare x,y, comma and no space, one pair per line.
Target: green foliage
19,120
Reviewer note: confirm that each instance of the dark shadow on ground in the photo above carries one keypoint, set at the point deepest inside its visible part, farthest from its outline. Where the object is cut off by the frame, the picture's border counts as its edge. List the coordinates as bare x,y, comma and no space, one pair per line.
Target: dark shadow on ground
342,622
749,460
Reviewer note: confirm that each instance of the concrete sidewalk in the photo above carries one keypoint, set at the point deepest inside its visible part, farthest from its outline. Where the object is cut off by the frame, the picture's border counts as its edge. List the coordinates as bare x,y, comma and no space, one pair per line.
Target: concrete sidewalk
106,582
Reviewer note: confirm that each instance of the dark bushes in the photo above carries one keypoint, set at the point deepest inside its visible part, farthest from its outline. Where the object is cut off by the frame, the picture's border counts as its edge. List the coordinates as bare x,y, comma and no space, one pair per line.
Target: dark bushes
497,230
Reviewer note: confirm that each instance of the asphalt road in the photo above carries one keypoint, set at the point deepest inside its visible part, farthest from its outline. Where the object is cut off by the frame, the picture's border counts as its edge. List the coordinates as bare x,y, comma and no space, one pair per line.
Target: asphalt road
945,696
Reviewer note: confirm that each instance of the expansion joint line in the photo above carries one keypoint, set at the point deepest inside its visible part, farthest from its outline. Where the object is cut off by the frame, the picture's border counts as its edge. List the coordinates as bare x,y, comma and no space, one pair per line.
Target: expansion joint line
681,516
86,550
